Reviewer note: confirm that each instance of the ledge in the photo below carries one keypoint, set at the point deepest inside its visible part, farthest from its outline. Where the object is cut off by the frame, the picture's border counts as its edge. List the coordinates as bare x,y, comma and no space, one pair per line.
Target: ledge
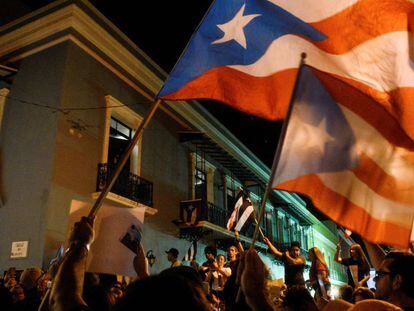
126,202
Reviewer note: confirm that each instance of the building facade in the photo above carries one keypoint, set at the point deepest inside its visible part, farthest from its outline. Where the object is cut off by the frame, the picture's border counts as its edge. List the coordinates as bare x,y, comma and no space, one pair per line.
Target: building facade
74,88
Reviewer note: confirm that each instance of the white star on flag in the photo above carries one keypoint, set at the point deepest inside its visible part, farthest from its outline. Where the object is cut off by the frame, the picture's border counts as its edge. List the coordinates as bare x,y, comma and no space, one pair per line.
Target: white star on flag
317,136
234,29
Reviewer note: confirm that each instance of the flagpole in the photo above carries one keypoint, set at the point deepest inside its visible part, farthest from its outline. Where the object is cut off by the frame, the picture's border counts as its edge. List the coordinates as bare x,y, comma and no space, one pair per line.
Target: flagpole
278,150
108,186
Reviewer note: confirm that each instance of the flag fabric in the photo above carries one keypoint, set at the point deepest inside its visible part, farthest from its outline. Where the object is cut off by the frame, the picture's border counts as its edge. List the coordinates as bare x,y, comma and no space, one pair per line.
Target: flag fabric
191,252
58,257
246,53
190,211
357,166
235,214
348,233
243,218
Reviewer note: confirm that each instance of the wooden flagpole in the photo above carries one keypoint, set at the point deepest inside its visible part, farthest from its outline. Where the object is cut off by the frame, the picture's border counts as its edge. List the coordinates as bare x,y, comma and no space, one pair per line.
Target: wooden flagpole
98,203
278,150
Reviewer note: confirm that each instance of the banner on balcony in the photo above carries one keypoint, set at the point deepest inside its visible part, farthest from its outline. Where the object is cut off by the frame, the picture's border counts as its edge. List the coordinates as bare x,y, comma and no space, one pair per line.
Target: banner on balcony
108,254
190,211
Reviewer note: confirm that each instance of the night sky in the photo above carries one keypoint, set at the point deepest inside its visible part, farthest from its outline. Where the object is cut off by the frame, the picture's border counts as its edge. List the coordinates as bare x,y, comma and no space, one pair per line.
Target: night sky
162,30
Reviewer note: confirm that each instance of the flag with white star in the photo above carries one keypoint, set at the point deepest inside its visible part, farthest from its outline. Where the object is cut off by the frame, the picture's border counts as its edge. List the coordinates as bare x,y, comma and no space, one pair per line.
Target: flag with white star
245,53
357,171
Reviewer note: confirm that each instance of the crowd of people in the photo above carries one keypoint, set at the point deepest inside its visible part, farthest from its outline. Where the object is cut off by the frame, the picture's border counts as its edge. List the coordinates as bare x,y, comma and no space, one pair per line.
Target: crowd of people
238,280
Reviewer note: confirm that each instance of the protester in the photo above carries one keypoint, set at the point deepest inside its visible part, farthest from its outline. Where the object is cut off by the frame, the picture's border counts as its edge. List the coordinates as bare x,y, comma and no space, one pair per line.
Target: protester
318,276
210,252
298,298
357,265
362,293
294,263
172,255
395,280
218,276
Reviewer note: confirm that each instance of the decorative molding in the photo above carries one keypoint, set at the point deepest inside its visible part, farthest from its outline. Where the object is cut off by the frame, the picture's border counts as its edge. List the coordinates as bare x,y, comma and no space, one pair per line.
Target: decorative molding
126,202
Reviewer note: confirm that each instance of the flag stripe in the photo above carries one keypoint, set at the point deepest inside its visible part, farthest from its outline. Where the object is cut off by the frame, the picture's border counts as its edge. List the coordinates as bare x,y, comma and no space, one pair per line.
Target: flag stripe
361,22
246,214
385,185
357,98
364,63
224,84
347,214
309,12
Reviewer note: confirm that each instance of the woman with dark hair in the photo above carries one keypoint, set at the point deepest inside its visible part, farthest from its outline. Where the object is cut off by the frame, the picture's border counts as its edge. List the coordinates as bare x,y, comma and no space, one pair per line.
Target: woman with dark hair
319,275
357,263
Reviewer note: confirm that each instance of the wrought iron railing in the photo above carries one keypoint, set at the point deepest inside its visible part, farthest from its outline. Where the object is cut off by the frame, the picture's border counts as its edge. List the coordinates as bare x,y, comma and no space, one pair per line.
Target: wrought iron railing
128,185
219,216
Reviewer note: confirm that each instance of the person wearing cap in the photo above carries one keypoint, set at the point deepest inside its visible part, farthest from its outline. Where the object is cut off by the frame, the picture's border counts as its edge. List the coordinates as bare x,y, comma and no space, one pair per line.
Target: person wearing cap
172,255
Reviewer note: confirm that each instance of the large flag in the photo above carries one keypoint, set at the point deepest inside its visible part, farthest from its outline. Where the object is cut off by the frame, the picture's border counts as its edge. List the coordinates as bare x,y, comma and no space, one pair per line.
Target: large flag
357,166
246,53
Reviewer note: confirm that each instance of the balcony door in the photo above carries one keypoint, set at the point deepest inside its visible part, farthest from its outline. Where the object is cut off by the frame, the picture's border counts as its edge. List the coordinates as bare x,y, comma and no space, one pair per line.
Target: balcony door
120,136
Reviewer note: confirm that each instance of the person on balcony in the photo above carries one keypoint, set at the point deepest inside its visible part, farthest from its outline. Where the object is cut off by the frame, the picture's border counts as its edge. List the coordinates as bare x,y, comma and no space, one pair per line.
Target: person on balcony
294,263
172,255
357,264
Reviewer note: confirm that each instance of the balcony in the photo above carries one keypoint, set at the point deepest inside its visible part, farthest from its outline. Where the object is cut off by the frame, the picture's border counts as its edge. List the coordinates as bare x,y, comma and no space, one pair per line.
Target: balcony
129,189
211,221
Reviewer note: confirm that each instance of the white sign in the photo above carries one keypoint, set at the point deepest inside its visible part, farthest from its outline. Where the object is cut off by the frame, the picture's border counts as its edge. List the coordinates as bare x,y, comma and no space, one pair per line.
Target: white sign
108,253
19,249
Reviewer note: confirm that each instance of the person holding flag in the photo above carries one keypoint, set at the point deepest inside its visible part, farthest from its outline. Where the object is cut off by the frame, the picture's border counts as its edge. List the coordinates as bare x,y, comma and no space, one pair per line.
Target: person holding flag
357,264
294,263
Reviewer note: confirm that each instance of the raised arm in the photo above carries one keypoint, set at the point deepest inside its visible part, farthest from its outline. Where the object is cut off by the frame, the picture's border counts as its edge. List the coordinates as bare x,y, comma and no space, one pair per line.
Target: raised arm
239,245
66,292
294,261
272,248
337,256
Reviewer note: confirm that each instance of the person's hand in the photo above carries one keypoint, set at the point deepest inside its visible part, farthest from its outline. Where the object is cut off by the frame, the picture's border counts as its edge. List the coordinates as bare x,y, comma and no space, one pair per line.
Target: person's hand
215,265
251,276
236,235
141,263
83,232
266,240
338,246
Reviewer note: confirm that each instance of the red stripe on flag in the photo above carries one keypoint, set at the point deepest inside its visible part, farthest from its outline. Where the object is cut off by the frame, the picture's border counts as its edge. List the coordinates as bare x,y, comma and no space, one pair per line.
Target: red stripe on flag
266,97
348,93
361,22
382,183
347,214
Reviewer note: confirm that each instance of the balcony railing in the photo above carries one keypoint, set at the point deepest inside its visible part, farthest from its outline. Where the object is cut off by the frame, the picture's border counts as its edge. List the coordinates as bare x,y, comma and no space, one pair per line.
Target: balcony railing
219,216
128,185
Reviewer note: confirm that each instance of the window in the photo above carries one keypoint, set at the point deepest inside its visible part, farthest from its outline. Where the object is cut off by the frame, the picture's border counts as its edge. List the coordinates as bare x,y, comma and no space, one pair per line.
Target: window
120,125
200,184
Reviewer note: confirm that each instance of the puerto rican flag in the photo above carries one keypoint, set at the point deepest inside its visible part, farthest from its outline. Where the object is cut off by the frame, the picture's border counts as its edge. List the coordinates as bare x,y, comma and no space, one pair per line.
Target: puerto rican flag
356,165
246,53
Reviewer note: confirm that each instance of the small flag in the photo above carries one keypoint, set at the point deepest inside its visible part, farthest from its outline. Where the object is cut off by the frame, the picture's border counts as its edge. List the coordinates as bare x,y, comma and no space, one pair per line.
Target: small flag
234,215
246,214
348,233
192,252
59,255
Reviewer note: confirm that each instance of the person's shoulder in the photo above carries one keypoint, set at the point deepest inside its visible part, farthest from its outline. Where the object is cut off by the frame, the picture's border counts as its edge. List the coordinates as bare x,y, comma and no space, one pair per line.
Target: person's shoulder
346,261
374,304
